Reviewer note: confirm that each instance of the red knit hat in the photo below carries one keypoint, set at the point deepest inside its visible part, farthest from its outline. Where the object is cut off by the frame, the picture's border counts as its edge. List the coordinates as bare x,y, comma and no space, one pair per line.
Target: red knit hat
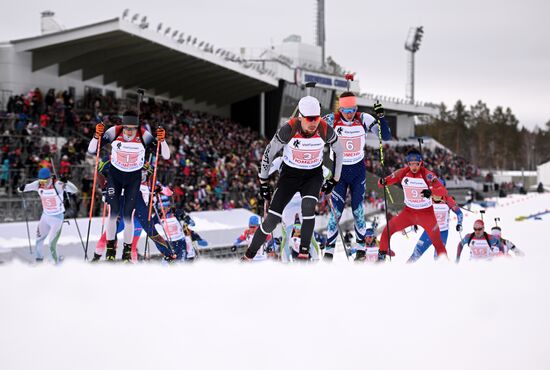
478,224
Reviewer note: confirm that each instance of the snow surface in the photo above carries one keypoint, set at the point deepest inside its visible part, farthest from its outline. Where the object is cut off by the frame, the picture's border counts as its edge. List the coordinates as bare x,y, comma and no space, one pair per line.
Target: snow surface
270,316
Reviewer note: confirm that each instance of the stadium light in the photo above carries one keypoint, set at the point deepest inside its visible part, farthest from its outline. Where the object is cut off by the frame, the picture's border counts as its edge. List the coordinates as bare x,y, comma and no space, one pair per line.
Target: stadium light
135,17
159,27
201,44
166,31
175,33
189,39
125,13
181,40
412,45
194,41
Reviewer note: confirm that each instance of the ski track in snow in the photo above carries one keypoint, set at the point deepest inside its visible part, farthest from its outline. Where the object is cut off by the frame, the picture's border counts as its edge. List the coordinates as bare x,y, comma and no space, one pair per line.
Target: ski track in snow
488,315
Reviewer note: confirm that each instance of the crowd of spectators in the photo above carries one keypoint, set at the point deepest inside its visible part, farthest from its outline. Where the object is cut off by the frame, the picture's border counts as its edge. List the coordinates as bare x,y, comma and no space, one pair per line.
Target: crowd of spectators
214,160
444,163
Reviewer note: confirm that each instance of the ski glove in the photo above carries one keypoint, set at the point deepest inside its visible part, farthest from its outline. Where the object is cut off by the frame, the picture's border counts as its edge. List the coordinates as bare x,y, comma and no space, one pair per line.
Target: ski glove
99,130
459,227
382,182
328,186
161,134
265,191
426,193
379,109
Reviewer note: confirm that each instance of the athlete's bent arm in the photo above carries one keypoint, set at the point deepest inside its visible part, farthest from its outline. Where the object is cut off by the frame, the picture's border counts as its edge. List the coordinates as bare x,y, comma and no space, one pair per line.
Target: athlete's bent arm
275,145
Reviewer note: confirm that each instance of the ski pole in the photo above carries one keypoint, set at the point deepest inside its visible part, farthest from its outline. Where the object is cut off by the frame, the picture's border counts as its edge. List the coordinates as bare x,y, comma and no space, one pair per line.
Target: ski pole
151,194
165,226
338,226
93,196
27,222
385,187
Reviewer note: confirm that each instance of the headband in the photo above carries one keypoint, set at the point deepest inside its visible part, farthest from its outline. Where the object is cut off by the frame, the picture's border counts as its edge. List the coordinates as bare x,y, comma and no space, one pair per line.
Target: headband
348,102
413,157
129,120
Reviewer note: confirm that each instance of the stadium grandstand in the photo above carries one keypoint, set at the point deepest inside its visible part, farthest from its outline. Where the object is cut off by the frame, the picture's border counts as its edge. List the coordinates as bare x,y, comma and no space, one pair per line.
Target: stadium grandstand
218,105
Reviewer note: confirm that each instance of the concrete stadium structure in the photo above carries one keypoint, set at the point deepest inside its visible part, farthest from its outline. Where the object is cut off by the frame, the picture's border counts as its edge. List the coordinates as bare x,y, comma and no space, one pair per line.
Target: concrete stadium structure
116,56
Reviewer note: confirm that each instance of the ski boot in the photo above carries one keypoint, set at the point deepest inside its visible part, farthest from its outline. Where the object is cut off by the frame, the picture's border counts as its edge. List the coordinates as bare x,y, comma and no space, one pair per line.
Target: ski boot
245,259
303,256
127,253
110,254
96,258
329,256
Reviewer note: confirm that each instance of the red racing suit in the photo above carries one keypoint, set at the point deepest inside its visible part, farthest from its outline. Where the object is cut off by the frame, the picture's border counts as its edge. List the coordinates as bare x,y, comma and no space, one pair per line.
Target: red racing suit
418,209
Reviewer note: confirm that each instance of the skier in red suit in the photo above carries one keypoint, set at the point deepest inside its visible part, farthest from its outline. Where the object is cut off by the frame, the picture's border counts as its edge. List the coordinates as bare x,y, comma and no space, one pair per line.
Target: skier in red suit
417,183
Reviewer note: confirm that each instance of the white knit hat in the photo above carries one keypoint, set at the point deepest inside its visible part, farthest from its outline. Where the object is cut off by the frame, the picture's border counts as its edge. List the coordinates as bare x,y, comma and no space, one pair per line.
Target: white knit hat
309,106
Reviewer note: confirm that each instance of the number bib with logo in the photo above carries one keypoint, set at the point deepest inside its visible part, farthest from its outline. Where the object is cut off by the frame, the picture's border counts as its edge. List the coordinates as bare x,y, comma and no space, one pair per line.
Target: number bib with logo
173,229
412,189
51,203
479,249
304,153
441,211
372,254
352,139
127,156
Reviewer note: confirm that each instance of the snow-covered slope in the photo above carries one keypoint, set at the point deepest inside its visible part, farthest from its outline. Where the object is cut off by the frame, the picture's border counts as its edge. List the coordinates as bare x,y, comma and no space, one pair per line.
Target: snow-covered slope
270,316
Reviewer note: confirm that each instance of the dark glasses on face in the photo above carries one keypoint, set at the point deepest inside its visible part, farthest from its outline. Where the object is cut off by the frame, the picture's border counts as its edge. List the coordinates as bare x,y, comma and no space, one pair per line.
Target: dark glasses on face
348,110
478,228
311,118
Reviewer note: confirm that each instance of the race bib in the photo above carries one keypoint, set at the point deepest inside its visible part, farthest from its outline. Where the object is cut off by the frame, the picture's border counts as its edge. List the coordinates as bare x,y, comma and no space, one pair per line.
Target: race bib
412,190
127,156
442,216
479,249
51,202
173,229
352,141
371,254
304,153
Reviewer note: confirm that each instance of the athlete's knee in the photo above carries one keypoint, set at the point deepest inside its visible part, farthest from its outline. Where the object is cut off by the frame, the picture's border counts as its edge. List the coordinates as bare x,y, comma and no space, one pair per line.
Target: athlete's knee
271,221
308,207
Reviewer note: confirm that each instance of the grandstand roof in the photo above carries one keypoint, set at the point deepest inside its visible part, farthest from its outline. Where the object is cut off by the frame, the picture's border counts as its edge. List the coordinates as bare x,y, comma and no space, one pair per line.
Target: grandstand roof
130,56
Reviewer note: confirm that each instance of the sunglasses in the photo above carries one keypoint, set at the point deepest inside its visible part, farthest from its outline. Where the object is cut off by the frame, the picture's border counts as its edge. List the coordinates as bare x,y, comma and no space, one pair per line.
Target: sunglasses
478,228
130,128
312,118
348,110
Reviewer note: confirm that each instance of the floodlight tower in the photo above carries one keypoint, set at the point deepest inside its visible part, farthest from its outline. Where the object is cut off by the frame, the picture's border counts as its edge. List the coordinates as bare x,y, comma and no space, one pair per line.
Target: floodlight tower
320,29
412,45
